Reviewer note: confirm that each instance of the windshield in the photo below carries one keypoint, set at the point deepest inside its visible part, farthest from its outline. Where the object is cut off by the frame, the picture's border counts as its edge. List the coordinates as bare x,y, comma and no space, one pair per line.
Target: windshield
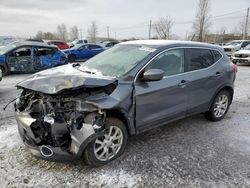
116,61
247,47
7,48
233,43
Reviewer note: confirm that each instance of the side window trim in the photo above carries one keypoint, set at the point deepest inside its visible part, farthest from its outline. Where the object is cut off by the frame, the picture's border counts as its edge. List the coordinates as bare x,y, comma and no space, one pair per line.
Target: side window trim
185,64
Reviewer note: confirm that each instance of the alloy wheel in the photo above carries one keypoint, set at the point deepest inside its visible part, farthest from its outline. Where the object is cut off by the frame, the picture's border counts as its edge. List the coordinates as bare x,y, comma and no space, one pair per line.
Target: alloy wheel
221,106
107,146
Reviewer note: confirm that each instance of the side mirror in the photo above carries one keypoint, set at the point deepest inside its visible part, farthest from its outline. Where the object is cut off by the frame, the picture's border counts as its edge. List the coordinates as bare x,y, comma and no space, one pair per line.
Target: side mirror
153,75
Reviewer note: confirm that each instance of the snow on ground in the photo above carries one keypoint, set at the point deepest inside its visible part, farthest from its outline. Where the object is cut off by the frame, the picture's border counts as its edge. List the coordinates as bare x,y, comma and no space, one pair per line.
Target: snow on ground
192,152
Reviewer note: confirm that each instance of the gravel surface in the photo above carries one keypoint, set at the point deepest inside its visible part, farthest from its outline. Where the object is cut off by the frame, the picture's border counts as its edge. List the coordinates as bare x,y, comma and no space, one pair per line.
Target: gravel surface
192,152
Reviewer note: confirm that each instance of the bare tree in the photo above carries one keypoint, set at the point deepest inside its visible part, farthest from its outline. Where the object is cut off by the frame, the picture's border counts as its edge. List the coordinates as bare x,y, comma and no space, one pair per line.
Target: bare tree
62,32
39,35
92,32
74,32
163,27
50,36
202,20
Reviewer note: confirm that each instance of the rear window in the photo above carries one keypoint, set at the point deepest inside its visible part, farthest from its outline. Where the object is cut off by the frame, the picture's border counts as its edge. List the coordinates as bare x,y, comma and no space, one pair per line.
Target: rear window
199,58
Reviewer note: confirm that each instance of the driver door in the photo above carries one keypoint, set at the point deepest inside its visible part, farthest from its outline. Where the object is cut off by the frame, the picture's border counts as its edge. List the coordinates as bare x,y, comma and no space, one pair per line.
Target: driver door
20,60
161,101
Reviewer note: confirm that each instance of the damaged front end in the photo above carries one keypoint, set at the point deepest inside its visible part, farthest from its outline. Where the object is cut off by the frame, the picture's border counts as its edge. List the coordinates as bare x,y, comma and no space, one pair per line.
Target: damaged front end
60,126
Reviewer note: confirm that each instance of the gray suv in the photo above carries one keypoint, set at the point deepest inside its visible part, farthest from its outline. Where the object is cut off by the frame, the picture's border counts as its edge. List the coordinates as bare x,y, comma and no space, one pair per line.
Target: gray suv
89,109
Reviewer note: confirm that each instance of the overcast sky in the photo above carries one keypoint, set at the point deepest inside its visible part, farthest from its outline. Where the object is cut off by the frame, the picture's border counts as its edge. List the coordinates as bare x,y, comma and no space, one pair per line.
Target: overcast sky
126,18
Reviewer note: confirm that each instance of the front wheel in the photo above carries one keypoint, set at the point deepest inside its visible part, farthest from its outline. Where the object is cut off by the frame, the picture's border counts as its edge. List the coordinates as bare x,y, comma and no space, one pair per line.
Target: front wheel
108,147
4,69
71,58
219,106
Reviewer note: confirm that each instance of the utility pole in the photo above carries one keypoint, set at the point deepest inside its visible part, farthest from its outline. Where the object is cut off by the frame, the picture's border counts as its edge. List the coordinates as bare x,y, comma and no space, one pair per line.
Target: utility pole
149,32
108,32
81,34
245,34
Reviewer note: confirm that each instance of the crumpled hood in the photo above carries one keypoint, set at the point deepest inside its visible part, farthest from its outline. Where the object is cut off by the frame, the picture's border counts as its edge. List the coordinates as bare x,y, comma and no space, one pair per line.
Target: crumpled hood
243,52
64,77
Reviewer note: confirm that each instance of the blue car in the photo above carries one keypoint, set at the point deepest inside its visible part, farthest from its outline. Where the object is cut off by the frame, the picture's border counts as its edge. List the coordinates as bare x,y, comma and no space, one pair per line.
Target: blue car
30,57
83,52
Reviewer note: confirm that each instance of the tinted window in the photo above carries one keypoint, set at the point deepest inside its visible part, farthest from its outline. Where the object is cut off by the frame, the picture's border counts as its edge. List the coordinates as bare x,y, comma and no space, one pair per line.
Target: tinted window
84,47
92,47
44,51
217,55
198,58
24,51
171,62
245,44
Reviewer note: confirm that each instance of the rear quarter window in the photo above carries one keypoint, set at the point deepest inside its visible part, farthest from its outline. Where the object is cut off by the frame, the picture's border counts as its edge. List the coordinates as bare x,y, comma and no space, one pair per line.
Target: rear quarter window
217,55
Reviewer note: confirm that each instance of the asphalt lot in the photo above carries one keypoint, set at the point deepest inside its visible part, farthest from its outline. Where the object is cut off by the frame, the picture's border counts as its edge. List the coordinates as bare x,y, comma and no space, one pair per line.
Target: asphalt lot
192,152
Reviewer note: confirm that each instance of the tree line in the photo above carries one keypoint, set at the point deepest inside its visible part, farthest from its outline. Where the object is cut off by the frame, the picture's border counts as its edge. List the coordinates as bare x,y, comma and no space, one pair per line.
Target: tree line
162,27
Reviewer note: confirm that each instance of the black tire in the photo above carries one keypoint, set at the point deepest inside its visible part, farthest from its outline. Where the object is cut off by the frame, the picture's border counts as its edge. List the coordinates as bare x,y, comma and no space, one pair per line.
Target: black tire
71,58
89,154
4,69
211,114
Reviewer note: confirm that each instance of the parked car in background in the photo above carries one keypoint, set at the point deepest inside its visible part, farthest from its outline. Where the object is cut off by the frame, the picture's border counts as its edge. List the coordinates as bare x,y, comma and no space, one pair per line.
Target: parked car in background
242,56
89,109
77,41
28,57
83,52
60,44
235,45
108,44
1,75
35,40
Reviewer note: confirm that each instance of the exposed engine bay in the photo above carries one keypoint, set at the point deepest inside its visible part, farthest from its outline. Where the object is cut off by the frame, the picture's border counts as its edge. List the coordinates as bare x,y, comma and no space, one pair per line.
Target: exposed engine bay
64,121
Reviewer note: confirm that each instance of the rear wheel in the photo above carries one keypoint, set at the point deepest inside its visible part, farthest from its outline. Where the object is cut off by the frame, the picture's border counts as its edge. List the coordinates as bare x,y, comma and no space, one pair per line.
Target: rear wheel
106,148
72,58
219,106
4,69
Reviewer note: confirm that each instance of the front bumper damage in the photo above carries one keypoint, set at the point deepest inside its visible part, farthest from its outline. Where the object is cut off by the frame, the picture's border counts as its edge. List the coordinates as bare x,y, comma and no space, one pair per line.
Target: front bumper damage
49,137
80,139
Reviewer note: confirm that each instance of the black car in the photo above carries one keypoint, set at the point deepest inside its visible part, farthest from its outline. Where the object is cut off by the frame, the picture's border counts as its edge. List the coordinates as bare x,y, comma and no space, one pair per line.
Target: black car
89,109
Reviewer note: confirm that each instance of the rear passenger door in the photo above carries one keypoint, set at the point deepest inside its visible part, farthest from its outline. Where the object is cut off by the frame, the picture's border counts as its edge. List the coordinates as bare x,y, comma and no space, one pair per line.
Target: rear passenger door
204,74
45,58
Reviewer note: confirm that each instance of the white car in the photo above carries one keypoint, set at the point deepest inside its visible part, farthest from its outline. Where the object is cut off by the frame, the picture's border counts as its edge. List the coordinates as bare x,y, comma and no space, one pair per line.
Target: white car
235,45
242,56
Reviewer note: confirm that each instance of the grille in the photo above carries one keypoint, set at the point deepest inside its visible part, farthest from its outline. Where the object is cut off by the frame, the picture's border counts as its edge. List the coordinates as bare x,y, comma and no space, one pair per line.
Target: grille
241,55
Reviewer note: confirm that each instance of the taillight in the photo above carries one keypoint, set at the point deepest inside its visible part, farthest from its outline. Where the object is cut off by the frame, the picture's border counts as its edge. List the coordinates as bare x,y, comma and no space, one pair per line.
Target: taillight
235,68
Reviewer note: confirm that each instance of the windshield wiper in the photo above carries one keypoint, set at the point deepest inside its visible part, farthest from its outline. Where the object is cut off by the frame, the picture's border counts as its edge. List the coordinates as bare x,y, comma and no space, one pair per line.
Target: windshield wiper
77,65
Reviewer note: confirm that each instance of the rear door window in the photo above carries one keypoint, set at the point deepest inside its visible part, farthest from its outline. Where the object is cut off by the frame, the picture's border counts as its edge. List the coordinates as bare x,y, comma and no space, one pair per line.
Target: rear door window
42,51
198,58
93,47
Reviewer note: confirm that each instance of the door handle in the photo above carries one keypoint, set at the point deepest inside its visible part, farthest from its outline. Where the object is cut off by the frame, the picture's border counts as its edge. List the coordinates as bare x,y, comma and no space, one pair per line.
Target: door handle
183,83
218,74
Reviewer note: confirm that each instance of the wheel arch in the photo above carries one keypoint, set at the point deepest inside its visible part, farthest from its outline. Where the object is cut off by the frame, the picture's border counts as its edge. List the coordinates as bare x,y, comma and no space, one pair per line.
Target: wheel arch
123,117
227,88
